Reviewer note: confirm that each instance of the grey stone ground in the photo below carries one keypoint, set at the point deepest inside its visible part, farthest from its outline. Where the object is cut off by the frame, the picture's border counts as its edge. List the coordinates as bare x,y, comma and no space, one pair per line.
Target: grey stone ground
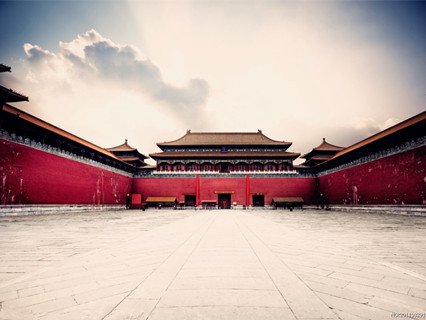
228,264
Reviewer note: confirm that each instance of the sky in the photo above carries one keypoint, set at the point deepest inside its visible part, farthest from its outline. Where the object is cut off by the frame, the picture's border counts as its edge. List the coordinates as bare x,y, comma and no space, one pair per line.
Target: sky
148,71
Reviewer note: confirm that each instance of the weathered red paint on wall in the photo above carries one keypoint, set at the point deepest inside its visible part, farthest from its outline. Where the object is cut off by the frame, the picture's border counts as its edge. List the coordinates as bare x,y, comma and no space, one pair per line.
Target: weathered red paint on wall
165,187
210,187
283,187
397,179
31,176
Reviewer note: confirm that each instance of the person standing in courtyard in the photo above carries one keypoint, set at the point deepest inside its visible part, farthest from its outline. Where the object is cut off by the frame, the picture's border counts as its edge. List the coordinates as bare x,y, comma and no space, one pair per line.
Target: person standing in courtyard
128,201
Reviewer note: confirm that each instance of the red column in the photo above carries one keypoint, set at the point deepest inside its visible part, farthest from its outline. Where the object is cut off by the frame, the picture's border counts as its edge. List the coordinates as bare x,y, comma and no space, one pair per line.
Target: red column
197,190
247,190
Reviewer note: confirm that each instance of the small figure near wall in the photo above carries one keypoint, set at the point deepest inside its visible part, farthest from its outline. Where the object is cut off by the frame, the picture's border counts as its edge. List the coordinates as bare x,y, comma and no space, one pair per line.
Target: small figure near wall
322,200
128,201
355,194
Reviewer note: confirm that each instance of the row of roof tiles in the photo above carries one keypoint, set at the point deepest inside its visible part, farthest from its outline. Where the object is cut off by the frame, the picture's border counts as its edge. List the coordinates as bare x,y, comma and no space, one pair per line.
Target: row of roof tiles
224,139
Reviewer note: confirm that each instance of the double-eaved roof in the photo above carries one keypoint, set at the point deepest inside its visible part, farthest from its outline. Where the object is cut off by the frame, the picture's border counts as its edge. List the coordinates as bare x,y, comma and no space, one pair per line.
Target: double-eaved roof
125,147
224,145
193,139
324,147
321,153
128,154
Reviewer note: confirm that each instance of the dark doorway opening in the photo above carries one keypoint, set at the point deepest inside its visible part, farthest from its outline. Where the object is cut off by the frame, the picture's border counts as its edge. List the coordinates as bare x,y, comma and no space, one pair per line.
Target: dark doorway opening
190,200
258,200
224,201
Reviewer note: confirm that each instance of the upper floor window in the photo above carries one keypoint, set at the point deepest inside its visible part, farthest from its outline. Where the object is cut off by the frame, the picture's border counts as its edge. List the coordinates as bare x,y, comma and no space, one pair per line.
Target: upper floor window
240,167
178,167
207,167
192,167
270,167
256,167
165,167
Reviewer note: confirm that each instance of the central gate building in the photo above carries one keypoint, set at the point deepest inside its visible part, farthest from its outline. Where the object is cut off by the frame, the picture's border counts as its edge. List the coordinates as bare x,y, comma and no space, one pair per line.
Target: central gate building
224,168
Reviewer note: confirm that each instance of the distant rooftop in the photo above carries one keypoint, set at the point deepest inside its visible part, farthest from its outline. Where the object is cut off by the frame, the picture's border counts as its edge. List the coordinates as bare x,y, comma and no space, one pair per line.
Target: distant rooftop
122,147
323,147
132,154
224,139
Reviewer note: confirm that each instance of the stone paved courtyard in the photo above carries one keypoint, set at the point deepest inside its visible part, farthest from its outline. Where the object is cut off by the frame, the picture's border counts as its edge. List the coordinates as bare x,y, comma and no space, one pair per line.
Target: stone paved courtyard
230,264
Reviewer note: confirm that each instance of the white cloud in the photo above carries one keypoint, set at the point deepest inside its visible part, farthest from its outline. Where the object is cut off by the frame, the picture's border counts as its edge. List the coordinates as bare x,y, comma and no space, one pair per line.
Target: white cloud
35,54
98,60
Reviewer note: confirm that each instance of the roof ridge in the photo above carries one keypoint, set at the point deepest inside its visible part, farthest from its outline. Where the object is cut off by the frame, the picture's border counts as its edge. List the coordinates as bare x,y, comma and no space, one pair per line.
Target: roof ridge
244,139
122,145
325,143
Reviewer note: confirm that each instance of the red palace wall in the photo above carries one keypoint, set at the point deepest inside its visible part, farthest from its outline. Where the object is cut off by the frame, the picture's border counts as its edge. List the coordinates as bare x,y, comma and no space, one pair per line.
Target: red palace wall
284,187
164,187
210,186
397,179
31,176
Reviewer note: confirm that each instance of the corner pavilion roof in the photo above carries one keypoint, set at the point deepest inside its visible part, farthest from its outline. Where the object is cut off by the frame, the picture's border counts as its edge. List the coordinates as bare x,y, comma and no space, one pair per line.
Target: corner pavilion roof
122,147
323,147
125,147
224,139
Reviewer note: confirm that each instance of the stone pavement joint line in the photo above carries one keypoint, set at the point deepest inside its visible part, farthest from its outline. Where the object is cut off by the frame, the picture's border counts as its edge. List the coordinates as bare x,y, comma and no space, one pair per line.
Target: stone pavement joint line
227,264
291,288
153,285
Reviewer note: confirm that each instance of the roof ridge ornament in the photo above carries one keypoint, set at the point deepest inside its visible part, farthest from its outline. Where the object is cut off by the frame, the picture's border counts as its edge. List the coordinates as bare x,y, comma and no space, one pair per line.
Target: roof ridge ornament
188,131
259,130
